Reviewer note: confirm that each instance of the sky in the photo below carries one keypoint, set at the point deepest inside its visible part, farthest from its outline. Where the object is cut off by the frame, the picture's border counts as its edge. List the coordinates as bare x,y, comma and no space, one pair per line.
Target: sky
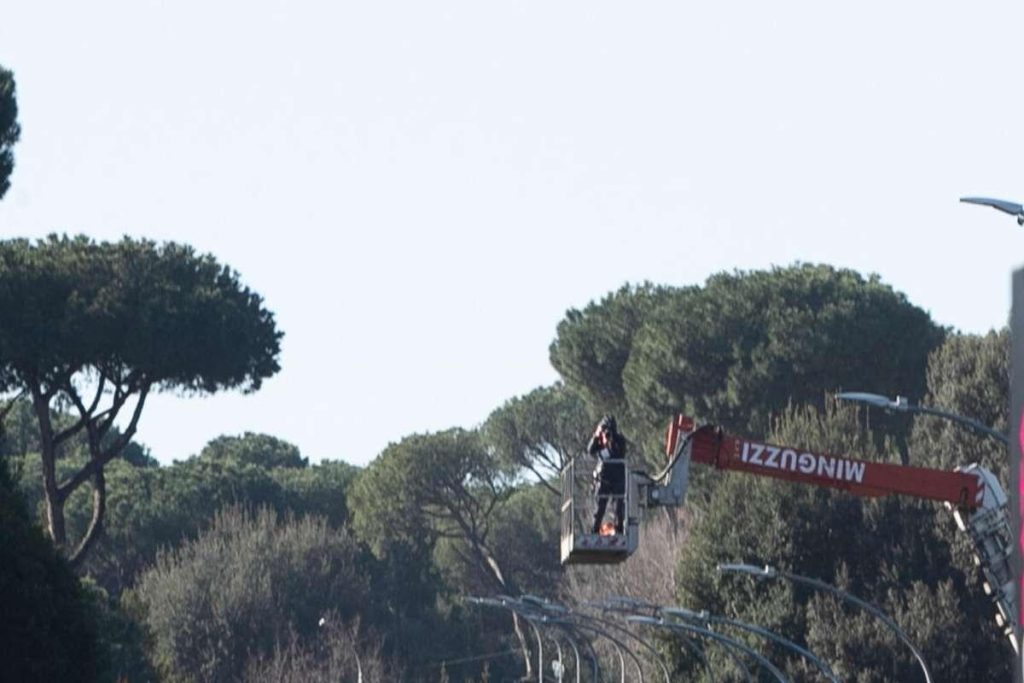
420,191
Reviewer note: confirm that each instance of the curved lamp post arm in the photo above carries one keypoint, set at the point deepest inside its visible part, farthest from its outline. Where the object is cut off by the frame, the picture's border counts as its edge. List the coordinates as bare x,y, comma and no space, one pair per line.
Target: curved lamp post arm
967,421
595,664
705,617
561,610
689,642
549,608
620,647
570,629
575,652
900,405
506,603
732,654
570,638
632,606
561,666
626,631
725,640
771,573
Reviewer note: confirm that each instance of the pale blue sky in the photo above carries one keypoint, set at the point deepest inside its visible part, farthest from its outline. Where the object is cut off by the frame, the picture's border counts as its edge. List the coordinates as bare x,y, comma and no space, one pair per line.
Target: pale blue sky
421,190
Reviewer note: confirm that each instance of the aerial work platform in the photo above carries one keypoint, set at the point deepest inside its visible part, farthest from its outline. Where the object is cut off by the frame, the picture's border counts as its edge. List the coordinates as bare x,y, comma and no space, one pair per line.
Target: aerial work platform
579,502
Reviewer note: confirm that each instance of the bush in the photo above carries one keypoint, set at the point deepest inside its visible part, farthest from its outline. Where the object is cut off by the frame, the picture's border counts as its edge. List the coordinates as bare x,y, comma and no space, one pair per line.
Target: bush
248,584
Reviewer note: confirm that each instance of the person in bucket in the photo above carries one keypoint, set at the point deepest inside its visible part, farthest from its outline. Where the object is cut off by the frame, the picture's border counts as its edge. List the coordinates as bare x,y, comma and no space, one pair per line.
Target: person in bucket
609,447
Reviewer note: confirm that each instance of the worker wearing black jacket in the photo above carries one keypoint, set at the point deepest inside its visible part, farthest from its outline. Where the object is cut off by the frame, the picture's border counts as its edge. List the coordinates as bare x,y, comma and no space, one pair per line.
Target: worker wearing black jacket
609,447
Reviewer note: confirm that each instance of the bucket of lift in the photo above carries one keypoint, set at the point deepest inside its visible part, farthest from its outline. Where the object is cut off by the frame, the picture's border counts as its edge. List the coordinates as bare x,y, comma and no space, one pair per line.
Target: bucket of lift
580,545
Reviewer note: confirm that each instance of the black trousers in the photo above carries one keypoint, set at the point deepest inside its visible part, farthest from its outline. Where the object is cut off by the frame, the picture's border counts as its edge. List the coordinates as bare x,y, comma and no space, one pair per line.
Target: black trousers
605,491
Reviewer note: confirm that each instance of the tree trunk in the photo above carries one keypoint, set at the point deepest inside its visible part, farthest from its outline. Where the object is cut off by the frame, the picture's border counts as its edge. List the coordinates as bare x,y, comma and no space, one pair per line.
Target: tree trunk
99,507
54,509
52,497
491,563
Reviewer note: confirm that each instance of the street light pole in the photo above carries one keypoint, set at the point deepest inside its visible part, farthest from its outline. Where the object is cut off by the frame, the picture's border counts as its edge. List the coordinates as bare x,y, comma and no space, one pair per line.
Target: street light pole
772,573
901,405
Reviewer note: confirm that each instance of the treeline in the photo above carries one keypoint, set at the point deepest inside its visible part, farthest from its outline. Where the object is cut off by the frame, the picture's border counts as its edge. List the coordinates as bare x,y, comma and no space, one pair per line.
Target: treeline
244,562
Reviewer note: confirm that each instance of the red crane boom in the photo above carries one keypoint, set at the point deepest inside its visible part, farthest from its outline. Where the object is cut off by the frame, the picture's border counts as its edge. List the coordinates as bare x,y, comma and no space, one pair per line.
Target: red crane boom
710,446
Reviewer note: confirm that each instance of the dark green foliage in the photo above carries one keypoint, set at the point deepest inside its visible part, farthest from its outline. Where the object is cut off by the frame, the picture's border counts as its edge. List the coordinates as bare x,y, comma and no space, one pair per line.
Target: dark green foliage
10,131
149,508
120,640
94,327
746,345
318,490
527,525
540,432
254,449
19,432
592,346
47,629
243,587
164,314
443,485
414,613
968,375
739,349
437,499
934,617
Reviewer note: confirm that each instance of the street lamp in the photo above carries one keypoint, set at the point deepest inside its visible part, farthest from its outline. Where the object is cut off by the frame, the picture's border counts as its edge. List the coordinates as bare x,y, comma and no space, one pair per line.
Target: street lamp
1011,208
901,405
771,573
